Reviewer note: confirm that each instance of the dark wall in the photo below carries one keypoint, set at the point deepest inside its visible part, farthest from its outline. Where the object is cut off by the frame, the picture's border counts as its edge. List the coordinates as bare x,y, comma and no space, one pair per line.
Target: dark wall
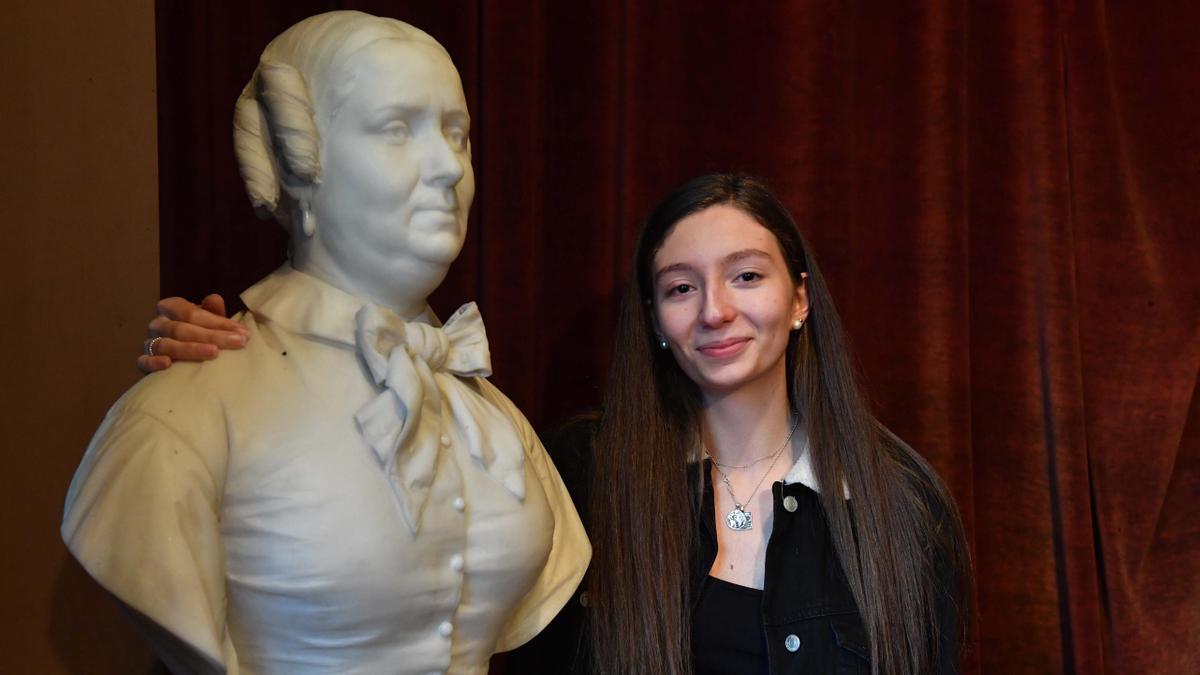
79,233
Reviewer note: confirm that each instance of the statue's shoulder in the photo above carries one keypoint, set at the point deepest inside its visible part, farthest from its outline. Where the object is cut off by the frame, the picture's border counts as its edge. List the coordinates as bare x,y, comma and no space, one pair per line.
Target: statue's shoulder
192,394
173,407
180,386
493,395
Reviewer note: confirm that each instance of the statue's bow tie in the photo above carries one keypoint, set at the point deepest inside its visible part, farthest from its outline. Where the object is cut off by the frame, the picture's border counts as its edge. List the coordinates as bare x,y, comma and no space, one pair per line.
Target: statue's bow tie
425,405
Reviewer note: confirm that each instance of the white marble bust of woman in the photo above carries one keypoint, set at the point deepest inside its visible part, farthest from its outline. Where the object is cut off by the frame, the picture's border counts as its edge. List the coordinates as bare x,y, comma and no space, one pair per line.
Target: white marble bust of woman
347,494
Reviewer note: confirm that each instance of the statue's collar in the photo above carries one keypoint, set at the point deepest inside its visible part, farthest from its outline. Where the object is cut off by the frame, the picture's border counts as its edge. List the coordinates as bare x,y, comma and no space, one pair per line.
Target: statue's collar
305,305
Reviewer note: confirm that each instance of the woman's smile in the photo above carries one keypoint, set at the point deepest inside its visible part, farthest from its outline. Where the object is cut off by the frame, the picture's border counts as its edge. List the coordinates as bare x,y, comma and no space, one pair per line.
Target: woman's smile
723,349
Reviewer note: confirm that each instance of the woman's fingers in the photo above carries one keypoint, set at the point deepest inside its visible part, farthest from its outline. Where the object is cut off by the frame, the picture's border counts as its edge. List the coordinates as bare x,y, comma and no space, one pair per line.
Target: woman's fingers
209,314
176,308
151,364
179,350
183,321
167,350
214,304
182,332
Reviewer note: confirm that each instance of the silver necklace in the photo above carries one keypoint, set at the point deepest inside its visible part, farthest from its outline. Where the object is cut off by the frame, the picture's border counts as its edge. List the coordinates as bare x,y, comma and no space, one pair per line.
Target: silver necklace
738,467
739,519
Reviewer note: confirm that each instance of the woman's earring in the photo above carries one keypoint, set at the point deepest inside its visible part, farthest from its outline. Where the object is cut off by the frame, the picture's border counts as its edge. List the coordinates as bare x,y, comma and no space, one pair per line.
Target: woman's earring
798,324
662,343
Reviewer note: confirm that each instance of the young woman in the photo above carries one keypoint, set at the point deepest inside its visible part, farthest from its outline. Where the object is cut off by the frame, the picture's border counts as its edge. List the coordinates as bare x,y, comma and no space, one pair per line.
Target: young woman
816,540
747,512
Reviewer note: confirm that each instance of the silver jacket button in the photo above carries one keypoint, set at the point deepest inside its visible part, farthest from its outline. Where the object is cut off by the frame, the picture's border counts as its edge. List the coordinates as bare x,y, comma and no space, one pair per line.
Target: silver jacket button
791,643
790,503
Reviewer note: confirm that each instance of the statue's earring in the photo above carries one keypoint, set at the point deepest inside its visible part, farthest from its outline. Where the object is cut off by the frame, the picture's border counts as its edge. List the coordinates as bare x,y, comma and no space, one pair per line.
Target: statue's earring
308,224
798,324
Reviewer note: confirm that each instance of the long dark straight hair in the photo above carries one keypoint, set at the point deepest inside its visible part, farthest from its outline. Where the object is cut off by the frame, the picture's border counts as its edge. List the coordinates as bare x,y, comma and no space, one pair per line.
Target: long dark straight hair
642,519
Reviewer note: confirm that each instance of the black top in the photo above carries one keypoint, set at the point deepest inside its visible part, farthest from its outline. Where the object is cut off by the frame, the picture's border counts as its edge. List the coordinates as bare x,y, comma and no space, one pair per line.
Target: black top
727,631
808,618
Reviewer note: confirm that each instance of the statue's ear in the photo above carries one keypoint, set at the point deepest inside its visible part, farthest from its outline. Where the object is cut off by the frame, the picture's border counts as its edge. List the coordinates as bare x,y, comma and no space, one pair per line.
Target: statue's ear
296,189
305,222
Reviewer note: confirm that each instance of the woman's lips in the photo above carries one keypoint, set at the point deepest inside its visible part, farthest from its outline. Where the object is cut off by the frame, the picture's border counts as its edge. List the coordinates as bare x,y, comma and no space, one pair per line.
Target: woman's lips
723,348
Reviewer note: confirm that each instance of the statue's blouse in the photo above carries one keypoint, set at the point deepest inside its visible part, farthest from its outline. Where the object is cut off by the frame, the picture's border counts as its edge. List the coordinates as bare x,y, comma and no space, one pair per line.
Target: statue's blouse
293,507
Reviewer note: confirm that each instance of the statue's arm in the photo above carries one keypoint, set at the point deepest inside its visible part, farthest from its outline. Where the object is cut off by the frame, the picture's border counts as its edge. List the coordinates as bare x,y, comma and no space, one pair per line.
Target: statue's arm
189,332
142,517
570,550
178,656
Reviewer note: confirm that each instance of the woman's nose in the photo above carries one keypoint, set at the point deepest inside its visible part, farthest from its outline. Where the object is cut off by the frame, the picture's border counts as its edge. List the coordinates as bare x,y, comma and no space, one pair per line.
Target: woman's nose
717,308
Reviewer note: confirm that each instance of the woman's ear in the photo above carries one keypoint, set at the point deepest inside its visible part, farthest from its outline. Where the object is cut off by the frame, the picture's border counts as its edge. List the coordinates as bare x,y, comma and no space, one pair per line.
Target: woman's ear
800,302
659,338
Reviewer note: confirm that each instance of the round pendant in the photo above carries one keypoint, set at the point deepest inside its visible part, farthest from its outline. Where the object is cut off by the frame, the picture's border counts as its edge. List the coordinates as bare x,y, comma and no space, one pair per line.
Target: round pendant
739,520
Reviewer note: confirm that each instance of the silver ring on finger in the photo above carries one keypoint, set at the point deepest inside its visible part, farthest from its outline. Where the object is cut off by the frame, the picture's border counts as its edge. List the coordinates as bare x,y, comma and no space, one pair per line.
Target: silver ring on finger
148,345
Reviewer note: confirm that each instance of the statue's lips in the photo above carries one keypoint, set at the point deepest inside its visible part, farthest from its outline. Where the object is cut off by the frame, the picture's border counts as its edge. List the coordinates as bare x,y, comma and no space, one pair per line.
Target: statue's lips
447,208
436,218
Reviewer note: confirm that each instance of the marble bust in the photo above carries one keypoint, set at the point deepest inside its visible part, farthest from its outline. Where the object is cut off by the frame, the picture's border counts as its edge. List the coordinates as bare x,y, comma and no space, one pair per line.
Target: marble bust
348,494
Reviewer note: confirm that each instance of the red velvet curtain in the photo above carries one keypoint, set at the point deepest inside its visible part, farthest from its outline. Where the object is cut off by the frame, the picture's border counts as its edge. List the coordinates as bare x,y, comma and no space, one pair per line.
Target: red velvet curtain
1003,196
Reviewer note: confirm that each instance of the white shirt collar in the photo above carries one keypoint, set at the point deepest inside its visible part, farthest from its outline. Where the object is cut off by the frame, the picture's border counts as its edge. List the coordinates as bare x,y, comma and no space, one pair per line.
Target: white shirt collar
802,472
305,305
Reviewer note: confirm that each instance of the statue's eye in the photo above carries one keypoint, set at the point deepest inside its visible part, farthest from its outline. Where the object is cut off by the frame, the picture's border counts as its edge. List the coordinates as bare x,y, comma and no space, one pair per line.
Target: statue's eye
396,131
457,137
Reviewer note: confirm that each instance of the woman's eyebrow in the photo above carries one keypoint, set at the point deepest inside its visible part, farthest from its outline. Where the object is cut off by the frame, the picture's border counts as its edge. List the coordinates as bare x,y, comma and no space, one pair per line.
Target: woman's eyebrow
676,267
738,256
735,257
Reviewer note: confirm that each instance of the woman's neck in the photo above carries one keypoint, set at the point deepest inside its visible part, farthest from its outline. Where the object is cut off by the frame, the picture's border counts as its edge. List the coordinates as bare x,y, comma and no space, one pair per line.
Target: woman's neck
747,424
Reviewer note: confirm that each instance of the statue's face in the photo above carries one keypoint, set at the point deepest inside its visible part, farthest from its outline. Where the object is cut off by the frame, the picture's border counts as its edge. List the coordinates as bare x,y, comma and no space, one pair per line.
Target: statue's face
396,180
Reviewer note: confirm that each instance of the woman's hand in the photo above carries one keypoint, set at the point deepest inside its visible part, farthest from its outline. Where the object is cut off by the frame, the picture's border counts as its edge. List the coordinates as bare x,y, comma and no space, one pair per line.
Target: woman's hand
186,332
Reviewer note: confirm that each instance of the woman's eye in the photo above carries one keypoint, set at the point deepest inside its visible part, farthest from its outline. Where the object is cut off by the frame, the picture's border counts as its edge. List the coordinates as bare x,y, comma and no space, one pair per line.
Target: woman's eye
749,276
678,289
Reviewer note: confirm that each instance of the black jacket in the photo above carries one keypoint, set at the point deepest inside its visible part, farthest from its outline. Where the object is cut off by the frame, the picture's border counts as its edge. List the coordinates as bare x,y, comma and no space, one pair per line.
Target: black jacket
808,613
811,621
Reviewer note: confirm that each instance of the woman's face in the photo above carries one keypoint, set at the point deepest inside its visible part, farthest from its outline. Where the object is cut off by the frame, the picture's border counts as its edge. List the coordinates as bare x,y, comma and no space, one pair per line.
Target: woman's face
724,300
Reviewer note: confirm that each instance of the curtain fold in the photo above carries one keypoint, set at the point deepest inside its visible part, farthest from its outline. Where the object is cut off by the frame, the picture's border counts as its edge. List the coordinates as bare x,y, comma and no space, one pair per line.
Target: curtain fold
1002,195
